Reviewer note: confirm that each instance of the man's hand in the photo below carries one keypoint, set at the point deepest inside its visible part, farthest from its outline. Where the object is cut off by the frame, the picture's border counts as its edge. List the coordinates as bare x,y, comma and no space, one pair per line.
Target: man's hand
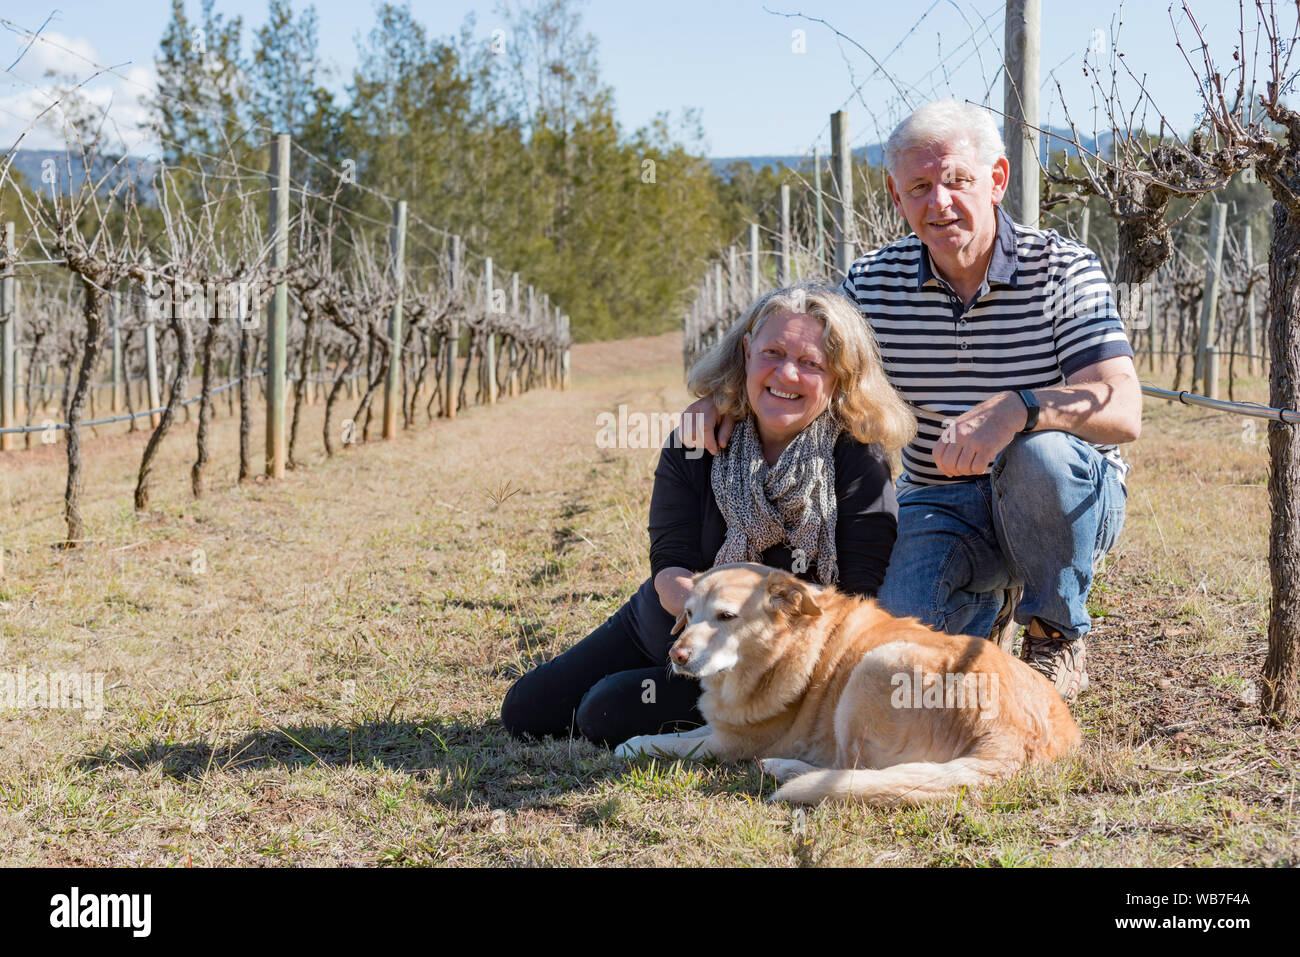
971,442
1100,403
699,422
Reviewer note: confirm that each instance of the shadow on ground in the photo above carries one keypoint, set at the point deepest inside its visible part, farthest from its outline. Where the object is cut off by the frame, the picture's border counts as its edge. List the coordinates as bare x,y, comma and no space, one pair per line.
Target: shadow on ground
461,763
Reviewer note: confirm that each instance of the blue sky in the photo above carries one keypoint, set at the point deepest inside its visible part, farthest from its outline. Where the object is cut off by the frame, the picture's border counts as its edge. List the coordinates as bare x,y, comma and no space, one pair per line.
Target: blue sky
733,59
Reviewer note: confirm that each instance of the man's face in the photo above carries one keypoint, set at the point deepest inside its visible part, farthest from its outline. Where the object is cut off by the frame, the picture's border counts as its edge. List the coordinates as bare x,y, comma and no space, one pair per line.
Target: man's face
948,199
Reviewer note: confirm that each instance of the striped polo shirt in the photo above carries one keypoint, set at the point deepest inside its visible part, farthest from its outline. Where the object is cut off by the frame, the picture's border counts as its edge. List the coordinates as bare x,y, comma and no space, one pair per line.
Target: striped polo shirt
1044,311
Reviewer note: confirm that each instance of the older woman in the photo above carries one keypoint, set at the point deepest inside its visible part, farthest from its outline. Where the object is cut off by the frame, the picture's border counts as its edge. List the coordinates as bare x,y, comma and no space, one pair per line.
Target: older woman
804,485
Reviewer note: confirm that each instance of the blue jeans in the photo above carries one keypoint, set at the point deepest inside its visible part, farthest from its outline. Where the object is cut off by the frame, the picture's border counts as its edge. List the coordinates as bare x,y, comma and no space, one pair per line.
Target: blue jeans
1050,508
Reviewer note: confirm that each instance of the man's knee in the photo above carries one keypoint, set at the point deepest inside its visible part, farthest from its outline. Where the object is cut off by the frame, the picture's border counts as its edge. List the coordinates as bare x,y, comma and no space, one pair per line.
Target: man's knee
910,581
1040,457
924,571
900,600
942,607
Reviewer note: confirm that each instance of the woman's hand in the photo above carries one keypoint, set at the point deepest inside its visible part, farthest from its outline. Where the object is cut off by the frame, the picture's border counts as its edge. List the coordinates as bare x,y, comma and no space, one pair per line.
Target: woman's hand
673,586
699,422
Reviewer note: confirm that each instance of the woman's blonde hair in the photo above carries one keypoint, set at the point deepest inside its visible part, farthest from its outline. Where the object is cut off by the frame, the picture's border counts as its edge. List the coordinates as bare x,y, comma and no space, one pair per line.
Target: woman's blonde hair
863,400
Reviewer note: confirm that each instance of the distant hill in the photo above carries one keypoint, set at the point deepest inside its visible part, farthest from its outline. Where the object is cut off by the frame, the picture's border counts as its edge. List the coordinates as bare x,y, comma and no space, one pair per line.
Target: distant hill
872,154
33,165
875,153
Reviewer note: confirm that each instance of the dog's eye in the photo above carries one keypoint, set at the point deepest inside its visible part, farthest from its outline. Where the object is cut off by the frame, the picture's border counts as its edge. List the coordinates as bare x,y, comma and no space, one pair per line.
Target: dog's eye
726,615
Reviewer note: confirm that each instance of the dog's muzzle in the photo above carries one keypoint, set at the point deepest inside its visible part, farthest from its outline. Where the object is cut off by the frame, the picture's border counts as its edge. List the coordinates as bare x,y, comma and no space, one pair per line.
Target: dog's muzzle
679,659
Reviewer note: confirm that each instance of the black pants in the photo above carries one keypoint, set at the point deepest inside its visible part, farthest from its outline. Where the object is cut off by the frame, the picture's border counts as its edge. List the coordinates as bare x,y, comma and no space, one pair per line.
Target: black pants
611,686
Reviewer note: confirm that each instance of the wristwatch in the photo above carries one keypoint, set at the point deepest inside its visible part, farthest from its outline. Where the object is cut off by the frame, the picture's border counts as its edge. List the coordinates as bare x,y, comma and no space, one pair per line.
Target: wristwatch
1031,405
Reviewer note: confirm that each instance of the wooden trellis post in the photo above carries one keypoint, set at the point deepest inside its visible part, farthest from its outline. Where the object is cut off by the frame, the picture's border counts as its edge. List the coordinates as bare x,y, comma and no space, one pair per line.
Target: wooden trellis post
686,340
115,305
717,294
489,337
1021,36
513,357
553,354
277,319
556,363
753,262
557,360
20,389
783,272
8,364
397,270
546,353
706,306
842,200
1210,302
564,355
531,352
818,210
151,349
453,336
1252,324
733,277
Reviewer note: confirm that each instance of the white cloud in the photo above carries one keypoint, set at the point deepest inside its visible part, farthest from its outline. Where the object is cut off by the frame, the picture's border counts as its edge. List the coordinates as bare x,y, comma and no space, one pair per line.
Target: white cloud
51,61
53,51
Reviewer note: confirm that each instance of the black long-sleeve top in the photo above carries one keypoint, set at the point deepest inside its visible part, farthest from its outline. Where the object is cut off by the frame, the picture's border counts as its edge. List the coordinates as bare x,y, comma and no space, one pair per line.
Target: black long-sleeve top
687,528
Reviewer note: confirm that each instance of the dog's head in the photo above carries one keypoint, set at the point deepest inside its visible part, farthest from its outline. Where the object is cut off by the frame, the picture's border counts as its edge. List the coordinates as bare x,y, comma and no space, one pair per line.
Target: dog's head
734,612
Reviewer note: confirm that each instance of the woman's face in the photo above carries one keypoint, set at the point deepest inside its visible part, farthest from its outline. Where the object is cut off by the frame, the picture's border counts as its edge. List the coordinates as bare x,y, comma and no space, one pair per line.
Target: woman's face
787,380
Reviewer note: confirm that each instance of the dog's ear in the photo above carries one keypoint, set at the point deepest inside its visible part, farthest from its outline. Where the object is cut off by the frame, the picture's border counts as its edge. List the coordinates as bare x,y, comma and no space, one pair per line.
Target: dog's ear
680,624
787,593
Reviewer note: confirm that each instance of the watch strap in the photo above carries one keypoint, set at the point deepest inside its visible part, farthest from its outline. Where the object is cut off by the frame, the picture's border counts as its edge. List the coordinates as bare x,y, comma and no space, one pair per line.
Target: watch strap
1031,406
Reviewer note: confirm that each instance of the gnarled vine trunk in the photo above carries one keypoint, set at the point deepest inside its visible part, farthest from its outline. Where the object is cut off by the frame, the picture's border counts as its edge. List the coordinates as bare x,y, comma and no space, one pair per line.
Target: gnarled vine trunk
205,409
303,384
185,345
336,391
93,312
245,403
1280,700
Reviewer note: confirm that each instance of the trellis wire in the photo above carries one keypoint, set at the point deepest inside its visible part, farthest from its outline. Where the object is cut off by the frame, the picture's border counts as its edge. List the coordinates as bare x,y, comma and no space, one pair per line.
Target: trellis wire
18,430
1289,416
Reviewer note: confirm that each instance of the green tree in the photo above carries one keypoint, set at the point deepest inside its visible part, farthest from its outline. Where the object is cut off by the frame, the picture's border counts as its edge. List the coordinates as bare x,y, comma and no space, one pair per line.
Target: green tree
201,85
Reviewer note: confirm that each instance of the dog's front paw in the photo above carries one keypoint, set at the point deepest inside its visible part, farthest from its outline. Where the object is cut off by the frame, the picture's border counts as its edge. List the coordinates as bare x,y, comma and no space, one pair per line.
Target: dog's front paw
631,748
783,769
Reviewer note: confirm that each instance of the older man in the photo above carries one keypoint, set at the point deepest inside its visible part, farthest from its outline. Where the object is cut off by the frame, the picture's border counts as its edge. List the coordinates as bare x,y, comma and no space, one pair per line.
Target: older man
1007,343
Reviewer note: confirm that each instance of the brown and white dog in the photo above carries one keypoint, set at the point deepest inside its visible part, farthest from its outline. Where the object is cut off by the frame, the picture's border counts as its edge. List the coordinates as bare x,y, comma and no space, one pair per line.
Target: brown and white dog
844,701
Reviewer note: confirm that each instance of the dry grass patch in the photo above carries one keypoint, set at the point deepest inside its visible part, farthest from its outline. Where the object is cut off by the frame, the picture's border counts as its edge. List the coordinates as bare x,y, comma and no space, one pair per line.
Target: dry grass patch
309,672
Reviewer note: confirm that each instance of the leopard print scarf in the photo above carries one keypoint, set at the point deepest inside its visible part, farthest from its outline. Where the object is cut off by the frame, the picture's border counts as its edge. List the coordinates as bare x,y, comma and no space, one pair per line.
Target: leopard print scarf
791,502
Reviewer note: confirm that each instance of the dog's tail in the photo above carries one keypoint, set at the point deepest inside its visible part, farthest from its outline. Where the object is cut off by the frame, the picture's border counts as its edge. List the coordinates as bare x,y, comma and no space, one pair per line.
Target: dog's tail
912,783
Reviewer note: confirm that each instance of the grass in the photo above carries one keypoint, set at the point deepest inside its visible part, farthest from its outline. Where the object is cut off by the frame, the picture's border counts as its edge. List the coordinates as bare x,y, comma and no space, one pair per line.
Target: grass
308,672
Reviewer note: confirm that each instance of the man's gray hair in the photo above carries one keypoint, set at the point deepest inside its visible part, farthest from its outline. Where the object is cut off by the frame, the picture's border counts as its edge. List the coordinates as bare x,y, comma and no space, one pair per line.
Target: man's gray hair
947,123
